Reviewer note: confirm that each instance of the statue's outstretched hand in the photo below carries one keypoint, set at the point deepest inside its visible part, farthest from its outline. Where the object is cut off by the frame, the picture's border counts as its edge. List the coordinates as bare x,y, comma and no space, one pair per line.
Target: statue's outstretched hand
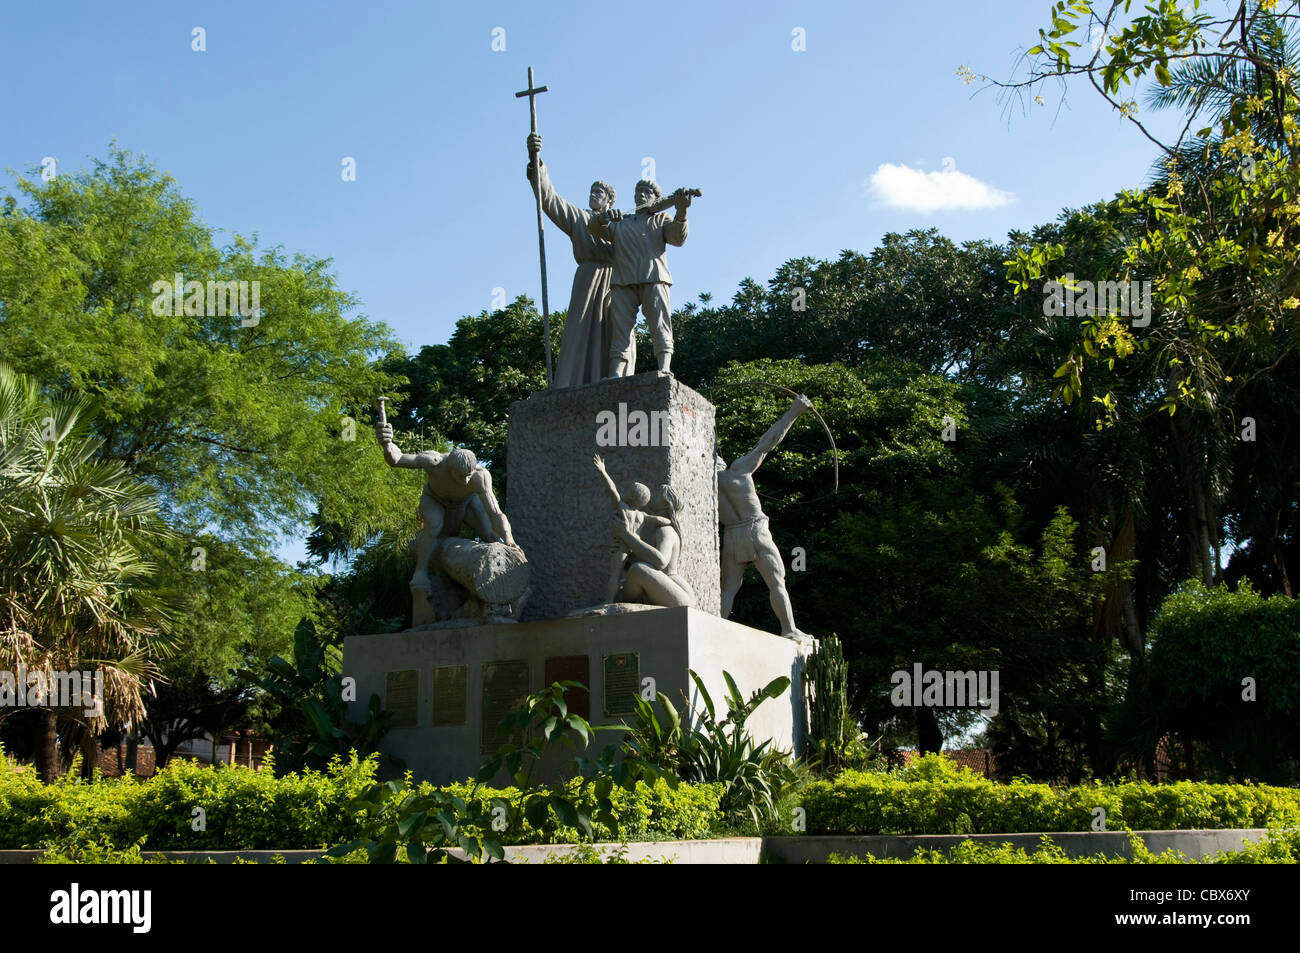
384,432
534,143
801,404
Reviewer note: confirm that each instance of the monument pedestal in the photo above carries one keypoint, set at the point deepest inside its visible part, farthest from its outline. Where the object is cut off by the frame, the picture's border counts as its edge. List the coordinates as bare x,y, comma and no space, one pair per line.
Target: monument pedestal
649,429
448,689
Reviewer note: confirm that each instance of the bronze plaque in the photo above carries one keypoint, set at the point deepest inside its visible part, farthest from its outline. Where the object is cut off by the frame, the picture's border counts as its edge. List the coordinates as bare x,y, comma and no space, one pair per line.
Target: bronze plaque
505,686
572,668
401,694
622,683
450,688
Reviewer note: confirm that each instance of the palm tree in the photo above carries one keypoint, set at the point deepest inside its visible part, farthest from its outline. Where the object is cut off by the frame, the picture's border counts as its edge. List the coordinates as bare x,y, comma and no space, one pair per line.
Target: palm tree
74,577
1215,84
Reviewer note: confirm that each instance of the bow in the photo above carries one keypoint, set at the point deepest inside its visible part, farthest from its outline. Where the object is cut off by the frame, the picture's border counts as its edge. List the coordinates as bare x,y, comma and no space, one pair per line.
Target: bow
835,453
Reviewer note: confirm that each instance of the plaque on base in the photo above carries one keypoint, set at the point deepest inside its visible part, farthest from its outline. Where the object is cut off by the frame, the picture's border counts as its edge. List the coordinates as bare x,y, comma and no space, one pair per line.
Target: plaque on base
505,686
401,694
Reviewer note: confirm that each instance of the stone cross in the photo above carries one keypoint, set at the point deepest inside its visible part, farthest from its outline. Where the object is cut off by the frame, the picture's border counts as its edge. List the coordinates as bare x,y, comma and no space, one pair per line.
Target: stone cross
532,92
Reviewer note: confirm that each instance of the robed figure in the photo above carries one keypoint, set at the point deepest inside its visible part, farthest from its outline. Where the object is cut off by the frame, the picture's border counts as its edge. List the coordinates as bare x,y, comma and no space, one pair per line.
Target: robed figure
584,348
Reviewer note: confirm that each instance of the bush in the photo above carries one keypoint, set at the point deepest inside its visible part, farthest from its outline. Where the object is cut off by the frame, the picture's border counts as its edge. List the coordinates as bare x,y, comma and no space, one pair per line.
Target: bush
1280,847
242,809
936,796
254,810
1205,642
649,813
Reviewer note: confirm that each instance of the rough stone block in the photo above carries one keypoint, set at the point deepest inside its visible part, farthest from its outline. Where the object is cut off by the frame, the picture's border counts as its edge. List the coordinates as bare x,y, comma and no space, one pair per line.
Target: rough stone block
558,509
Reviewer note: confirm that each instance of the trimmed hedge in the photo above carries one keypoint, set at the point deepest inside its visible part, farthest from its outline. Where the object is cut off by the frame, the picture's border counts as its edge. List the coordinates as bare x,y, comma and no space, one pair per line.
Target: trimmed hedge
242,809
254,810
936,796
1280,847
648,814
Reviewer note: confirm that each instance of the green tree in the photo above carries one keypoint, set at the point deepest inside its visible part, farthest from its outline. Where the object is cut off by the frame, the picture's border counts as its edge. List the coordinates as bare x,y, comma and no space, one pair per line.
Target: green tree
247,425
1215,233
894,559
918,297
235,611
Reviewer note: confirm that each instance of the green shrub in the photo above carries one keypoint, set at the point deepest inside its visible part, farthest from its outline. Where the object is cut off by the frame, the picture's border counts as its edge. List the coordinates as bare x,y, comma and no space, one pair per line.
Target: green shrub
255,810
1204,641
651,812
979,852
1280,848
242,809
936,796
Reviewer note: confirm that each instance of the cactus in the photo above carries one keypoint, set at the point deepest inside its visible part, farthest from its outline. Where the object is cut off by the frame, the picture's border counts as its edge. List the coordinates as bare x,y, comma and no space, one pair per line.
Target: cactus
827,690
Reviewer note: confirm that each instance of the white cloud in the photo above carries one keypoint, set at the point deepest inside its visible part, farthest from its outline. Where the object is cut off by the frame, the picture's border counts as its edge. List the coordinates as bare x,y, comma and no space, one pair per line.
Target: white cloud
947,190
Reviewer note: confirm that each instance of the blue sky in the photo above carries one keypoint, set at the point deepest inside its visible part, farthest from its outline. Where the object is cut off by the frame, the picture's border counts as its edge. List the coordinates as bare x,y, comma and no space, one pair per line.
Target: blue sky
783,142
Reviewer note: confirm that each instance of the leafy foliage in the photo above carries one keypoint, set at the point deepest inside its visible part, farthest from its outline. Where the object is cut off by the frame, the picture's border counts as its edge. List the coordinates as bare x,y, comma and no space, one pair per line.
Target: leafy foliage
1208,647
427,824
935,796
831,724
708,750
238,427
313,722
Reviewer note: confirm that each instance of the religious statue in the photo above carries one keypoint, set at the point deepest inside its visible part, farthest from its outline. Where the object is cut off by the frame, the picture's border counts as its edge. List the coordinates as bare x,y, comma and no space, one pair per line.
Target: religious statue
641,277
457,490
584,349
652,574
746,538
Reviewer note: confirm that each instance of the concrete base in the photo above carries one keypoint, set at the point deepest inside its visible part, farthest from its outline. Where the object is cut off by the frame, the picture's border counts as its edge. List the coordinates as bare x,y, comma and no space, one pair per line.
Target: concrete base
500,661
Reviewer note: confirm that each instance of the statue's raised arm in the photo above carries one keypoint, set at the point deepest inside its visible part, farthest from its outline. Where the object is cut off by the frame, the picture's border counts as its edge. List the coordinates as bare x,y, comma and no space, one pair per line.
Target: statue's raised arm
393,455
772,439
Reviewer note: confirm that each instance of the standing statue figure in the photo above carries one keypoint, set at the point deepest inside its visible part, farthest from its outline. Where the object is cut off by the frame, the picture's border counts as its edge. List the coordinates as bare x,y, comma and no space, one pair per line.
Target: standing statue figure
652,576
641,277
457,491
584,349
746,538
631,504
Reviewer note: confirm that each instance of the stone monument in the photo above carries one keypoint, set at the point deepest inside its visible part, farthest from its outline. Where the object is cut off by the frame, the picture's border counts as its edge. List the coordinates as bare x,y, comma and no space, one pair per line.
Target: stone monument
746,540
615,493
648,428
457,491
641,278
584,348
